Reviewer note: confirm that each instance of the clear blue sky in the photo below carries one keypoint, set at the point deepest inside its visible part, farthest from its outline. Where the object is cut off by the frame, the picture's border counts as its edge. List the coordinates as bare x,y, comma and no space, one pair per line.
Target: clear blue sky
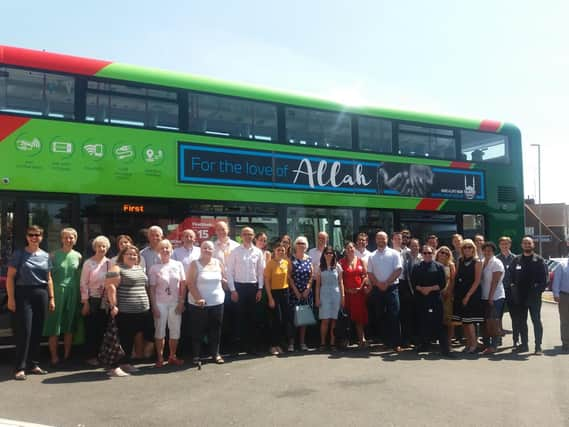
504,60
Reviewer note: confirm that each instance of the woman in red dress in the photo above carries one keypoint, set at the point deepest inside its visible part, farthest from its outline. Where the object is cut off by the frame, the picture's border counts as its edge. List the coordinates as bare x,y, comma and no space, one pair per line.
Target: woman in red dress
356,287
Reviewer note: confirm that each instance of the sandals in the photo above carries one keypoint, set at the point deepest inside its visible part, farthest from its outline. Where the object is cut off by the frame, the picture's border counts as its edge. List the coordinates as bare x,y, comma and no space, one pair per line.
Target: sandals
20,376
219,360
117,372
197,363
38,371
174,361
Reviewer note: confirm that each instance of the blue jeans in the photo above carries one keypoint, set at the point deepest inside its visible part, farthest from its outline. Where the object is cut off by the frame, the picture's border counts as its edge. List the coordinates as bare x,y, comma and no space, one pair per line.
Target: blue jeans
499,306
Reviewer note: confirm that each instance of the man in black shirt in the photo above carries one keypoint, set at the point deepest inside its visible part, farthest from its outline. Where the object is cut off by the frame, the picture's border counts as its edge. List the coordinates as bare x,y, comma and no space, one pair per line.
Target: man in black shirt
528,274
428,278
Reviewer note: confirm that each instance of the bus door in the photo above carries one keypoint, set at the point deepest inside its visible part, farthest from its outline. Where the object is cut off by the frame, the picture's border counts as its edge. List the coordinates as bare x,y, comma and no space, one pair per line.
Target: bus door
307,221
7,214
422,224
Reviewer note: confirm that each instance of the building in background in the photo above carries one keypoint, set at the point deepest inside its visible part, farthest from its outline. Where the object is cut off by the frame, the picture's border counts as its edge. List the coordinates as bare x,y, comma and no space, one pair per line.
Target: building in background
554,219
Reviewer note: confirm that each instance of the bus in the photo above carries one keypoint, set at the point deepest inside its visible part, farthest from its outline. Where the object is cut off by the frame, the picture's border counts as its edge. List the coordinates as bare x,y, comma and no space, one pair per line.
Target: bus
111,148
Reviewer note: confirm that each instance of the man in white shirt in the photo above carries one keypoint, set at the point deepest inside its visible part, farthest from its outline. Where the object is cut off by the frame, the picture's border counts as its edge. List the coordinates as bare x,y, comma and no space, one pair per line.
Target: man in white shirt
187,252
384,269
361,247
245,268
223,245
316,253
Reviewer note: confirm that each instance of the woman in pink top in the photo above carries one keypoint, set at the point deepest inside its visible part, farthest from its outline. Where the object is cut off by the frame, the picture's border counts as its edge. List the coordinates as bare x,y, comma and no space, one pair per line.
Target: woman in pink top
92,284
167,300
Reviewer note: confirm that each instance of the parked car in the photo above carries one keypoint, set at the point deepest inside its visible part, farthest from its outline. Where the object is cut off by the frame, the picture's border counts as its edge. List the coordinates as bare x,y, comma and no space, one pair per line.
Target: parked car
552,265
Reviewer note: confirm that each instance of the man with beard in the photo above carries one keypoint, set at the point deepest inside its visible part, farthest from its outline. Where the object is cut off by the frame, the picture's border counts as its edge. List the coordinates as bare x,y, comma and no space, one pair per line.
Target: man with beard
528,274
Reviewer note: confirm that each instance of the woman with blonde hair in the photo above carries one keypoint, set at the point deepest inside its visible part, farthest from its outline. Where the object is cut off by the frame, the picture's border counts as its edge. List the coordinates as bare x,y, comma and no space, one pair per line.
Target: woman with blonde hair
66,263
467,294
445,258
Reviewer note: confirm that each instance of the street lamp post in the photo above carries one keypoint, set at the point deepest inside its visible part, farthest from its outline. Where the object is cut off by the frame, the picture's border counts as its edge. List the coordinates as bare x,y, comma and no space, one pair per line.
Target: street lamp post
539,193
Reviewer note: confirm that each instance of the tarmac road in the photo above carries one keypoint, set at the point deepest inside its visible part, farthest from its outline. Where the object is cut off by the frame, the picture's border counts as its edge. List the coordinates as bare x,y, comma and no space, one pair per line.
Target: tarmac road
345,389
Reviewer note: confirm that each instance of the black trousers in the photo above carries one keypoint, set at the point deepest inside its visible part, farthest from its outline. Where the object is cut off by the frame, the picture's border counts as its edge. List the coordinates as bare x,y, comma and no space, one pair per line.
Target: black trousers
95,325
31,310
533,305
280,317
514,310
430,319
206,320
246,311
407,312
129,325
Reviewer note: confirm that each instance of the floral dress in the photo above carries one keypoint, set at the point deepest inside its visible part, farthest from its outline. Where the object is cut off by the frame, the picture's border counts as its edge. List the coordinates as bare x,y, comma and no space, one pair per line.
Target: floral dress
301,273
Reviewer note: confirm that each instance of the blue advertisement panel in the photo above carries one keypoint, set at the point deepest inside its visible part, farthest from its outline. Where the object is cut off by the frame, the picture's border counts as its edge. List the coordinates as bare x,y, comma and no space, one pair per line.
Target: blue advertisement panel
206,164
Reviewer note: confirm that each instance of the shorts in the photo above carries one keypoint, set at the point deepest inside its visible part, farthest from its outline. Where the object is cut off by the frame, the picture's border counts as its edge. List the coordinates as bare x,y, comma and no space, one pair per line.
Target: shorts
168,317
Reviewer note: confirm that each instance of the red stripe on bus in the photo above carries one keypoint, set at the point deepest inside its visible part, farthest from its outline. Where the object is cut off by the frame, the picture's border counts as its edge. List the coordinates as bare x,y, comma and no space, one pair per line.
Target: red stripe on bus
50,61
460,165
490,125
430,204
9,124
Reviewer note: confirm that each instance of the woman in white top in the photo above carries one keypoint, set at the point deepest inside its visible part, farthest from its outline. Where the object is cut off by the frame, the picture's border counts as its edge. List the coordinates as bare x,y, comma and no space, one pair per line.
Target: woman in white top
206,297
167,301
493,293
92,285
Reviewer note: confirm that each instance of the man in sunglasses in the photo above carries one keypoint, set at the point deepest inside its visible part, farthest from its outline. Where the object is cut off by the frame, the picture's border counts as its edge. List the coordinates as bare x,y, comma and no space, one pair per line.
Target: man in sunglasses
428,277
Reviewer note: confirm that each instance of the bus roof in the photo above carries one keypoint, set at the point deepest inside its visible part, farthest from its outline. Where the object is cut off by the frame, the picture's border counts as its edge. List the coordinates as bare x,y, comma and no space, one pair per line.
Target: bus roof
42,60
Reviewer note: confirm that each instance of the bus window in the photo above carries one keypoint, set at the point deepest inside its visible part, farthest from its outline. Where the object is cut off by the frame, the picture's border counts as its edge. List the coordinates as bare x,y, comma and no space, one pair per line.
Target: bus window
426,142
318,128
472,224
224,116
484,146
375,135
131,105
36,93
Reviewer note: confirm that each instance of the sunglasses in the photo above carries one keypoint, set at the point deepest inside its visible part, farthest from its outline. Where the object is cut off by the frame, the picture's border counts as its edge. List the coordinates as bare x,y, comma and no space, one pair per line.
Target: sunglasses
427,253
328,253
444,253
34,235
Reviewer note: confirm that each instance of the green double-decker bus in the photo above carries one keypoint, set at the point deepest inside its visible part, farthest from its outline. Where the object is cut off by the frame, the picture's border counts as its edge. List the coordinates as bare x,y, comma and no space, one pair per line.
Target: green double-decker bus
111,148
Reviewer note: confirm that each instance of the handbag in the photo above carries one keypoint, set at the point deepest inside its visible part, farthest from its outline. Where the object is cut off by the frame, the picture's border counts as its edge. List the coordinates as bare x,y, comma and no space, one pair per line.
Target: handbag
303,315
492,322
343,327
111,351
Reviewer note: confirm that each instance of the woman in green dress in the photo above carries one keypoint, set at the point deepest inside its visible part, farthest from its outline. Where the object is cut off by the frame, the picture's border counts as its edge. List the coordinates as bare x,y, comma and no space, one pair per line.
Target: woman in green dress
65,273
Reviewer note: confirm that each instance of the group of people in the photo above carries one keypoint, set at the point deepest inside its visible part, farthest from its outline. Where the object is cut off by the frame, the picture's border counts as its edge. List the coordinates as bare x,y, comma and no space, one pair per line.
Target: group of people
409,294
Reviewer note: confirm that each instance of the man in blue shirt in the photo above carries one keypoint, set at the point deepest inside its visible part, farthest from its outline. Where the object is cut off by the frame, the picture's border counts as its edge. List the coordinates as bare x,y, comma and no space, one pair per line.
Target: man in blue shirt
561,294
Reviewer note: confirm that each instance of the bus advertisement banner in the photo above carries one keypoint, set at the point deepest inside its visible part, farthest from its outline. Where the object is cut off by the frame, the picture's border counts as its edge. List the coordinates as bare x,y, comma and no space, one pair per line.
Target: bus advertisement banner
205,164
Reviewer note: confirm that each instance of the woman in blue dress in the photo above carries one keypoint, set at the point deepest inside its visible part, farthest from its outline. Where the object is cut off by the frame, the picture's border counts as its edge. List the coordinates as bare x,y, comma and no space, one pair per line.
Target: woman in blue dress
300,282
329,295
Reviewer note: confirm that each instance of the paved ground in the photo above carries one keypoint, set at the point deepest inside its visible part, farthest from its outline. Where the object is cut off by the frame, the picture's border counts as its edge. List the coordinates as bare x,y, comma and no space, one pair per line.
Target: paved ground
348,389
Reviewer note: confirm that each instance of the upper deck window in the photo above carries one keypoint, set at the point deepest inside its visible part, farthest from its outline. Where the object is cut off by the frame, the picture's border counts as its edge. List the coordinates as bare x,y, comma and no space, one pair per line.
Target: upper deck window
238,118
484,146
426,142
318,128
36,93
131,105
375,135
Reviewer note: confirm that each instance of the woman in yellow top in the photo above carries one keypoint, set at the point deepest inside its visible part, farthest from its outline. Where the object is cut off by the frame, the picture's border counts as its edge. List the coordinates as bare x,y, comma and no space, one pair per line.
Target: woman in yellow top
276,286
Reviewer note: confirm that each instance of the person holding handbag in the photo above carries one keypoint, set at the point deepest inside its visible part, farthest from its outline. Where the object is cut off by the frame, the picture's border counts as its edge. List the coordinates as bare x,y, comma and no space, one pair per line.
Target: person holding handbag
330,295
92,286
493,296
300,281
126,291
29,288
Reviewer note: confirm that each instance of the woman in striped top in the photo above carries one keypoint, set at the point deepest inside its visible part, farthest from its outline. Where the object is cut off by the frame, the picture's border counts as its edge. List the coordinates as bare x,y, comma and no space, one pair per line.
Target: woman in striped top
128,301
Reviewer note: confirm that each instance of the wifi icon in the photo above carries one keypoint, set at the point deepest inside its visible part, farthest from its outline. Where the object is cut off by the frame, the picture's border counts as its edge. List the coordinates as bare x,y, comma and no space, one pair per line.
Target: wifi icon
94,150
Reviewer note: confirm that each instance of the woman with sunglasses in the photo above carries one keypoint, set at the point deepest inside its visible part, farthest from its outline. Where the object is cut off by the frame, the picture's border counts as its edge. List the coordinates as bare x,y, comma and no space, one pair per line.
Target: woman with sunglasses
329,295
444,257
300,282
467,294
30,294
428,277
356,287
